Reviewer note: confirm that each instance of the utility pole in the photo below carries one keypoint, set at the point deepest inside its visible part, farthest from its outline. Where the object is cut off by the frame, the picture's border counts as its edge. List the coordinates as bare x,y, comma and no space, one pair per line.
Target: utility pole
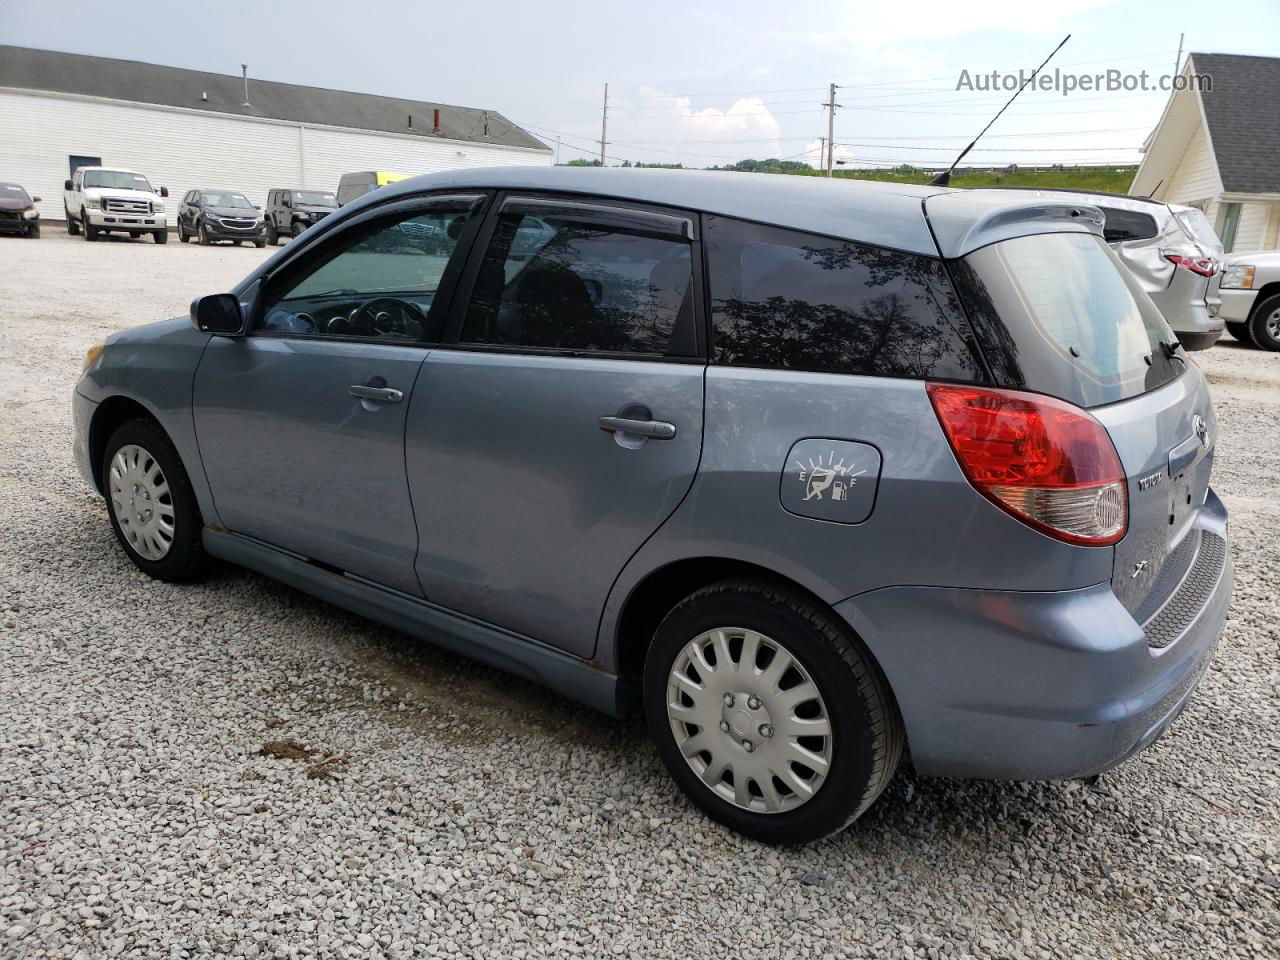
1177,62
604,123
831,125
557,150
822,151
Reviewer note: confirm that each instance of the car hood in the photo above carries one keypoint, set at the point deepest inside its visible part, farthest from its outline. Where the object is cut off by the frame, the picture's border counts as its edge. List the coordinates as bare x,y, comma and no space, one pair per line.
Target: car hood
1268,258
127,194
14,203
239,213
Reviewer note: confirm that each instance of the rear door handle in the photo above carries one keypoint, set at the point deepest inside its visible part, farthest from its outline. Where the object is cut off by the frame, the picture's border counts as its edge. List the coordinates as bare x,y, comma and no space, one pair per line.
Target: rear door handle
380,394
654,429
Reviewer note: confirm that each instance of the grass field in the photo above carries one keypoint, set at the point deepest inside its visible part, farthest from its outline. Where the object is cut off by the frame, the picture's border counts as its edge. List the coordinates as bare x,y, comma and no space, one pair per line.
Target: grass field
1108,179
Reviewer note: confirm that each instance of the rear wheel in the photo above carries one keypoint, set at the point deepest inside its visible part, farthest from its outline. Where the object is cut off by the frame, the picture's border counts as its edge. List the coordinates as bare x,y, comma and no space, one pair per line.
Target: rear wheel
149,499
1264,323
769,713
273,235
1239,330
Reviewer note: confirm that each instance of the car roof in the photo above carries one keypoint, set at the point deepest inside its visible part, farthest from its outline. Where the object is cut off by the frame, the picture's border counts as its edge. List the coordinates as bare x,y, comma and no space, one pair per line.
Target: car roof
864,211
109,170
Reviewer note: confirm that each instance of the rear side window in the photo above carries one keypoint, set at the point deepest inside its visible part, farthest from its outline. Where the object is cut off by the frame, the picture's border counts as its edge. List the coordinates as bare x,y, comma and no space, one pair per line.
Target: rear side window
557,281
783,299
1125,225
1059,313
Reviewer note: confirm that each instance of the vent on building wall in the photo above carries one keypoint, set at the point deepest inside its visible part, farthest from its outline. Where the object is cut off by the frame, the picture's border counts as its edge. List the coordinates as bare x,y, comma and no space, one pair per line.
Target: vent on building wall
244,73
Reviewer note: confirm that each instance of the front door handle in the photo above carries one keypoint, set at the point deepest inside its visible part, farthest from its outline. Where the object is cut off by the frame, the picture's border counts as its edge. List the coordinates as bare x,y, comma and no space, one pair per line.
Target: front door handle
378,394
653,429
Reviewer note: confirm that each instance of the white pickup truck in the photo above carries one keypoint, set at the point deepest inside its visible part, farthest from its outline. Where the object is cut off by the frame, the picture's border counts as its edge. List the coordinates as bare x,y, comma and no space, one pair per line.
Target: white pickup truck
1249,288
100,200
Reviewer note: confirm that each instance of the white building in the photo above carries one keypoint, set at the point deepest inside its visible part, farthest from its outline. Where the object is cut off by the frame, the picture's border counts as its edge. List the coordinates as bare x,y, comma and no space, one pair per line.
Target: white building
1219,149
185,129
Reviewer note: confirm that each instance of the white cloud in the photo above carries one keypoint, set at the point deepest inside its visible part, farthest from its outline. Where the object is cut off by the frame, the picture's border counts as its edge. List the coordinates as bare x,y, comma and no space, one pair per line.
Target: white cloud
672,129
815,155
872,25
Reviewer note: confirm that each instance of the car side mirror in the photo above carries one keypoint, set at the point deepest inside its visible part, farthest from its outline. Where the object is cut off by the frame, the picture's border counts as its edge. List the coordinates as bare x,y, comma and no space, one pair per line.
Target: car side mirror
66,185
286,202
256,207
219,314
36,200
164,191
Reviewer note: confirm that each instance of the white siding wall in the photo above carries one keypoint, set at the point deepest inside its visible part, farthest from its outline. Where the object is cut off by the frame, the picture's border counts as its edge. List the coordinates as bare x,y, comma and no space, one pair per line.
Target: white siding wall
183,150
1252,231
1196,176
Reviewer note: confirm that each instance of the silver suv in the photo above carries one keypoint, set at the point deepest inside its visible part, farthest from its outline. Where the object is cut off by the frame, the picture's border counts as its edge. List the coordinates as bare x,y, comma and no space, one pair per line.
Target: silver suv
811,472
1173,253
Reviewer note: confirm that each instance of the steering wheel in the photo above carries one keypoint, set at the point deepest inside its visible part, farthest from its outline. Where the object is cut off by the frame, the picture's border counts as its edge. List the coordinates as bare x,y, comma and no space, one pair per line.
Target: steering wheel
390,317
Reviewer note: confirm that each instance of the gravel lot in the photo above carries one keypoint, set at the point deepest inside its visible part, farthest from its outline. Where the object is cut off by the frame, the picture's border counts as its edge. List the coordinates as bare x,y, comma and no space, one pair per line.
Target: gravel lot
234,768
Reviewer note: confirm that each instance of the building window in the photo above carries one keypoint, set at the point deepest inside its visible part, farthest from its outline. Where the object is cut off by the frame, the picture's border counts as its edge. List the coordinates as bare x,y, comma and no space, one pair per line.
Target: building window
1230,222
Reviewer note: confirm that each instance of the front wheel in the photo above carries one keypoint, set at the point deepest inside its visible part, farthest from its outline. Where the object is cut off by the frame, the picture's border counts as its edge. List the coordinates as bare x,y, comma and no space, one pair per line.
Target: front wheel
90,231
1264,323
769,713
73,225
149,499
1240,330
33,231
162,236
202,236
182,234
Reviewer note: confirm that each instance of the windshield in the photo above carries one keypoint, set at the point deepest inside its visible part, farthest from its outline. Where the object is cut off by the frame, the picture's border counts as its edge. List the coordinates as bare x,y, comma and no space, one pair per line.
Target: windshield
1060,314
11,191
117,180
315,198
216,198
1197,227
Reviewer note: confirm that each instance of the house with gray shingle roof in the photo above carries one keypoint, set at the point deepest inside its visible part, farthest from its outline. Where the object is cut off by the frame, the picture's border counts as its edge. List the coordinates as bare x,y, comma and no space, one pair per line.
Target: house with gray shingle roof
1217,147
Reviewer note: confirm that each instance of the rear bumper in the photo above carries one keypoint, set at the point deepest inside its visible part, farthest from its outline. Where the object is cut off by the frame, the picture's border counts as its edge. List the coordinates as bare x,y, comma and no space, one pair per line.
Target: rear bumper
1034,686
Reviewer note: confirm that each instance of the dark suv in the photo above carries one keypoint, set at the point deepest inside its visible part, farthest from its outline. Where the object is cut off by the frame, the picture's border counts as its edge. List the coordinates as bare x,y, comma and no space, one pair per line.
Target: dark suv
210,215
289,212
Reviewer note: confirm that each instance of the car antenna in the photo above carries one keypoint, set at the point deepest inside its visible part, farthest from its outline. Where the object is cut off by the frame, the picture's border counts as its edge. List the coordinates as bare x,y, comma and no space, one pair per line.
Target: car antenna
944,178
1155,188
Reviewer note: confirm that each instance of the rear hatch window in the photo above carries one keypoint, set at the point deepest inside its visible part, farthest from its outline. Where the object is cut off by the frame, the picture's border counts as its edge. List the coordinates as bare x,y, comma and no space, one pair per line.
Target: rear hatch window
1195,225
1058,313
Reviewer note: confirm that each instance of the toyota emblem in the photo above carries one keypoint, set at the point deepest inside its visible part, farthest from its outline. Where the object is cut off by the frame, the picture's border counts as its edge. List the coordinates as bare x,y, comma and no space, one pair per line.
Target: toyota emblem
1202,430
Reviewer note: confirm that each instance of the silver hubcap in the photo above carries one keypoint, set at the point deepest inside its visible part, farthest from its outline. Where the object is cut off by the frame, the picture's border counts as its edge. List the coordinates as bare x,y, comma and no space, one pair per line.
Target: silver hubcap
749,720
141,501
1273,325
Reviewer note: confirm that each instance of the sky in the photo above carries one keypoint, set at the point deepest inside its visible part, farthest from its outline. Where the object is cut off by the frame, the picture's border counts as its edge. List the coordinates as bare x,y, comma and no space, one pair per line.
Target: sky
702,84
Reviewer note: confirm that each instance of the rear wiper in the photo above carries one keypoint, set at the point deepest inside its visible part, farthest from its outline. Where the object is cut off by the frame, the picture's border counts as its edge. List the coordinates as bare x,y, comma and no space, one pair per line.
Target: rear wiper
1171,348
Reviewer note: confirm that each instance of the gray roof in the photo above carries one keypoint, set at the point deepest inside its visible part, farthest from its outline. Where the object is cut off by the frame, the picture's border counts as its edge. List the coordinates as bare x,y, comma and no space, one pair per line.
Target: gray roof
1243,114
865,211
75,73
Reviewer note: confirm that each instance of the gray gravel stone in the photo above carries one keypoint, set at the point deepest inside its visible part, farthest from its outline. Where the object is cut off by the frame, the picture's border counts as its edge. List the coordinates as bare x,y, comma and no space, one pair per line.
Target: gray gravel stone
473,815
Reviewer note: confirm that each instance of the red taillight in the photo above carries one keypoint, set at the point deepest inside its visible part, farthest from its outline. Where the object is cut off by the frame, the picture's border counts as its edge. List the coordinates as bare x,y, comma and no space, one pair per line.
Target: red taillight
1204,266
1048,463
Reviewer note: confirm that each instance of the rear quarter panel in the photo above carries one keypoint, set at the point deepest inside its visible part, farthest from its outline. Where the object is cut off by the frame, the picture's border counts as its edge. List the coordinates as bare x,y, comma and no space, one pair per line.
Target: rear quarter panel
928,525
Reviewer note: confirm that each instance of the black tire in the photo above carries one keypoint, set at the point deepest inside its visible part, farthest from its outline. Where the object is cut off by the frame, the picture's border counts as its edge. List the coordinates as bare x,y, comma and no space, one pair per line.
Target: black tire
1240,330
73,227
273,235
185,559
1264,323
90,231
259,244
182,234
298,228
135,234
866,730
202,236
33,231
161,236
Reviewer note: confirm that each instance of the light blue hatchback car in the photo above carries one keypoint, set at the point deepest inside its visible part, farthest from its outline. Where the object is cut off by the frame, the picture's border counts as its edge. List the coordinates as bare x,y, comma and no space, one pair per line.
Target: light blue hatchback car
812,471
